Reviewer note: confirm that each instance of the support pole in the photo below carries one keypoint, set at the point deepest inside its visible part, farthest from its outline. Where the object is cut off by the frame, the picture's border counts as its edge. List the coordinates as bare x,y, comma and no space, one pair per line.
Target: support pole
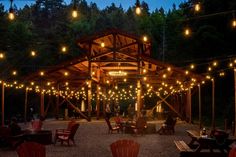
234,101
189,106
138,96
26,104
42,104
213,103
200,106
89,98
57,102
98,102
3,105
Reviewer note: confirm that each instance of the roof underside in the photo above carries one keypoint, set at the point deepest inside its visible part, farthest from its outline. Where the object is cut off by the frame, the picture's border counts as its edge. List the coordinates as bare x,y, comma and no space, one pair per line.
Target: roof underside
116,51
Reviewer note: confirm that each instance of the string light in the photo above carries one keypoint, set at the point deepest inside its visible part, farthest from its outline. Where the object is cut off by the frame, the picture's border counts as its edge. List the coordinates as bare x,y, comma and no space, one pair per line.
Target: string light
192,66
187,32
74,10
145,39
197,7
138,8
11,14
2,55
41,73
14,72
33,53
102,44
64,49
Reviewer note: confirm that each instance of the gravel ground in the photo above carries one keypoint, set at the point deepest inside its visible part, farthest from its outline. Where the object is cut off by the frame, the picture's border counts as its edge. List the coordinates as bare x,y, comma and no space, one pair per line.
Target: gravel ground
92,140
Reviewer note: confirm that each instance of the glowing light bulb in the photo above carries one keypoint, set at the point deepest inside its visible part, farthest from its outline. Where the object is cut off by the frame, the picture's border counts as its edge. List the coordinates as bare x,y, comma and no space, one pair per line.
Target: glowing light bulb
63,49
234,23
197,7
33,53
14,72
138,10
1,55
11,14
187,32
74,13
102,44
145,39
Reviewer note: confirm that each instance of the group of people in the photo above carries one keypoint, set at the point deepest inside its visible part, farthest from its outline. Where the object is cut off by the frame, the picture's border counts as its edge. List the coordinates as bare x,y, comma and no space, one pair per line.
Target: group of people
15,128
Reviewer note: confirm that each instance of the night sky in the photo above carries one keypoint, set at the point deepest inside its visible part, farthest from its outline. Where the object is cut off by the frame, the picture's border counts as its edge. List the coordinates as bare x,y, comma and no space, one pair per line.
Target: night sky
153,4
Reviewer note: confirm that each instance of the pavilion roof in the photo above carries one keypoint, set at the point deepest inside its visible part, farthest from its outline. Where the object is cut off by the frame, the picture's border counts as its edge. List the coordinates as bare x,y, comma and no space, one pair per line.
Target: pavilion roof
115,50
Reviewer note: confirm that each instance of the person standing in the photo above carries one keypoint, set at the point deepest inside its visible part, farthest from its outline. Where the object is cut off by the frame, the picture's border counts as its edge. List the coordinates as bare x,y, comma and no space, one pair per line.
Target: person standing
108,111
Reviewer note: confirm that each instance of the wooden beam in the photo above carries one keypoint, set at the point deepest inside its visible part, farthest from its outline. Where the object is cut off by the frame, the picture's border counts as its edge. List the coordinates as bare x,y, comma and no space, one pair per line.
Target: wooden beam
3,104
77,110
170,106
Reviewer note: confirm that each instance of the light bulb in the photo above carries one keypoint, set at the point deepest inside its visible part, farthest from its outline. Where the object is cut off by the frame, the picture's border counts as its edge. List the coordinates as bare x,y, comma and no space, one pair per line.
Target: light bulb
74,13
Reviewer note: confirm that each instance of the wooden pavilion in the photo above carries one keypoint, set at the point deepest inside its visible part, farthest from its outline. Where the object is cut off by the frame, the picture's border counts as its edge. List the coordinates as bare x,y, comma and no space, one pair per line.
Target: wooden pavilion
111,58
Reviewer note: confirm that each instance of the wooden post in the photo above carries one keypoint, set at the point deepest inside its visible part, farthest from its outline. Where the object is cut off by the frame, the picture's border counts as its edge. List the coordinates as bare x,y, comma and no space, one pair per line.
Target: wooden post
89,98
57,102
200,106
26,104
89,92
213,104
3,105
234,100
42,104
138,96
98,101
189,106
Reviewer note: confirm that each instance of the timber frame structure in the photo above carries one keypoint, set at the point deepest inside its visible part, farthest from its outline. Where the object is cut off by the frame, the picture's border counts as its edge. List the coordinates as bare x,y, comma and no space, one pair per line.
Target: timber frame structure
117,51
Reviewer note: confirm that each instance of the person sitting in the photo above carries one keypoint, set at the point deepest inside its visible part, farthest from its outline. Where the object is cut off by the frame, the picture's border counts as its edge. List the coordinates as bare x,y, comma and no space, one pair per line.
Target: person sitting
167,125
119,121
14,127
37,124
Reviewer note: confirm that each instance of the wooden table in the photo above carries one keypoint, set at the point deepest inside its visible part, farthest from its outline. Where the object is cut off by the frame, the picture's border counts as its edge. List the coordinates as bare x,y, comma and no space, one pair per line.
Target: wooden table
209,143
42,136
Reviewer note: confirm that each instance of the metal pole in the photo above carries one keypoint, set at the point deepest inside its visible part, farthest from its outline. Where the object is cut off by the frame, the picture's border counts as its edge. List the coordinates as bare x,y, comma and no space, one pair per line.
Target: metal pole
26,102
213,104
200,106
234,101
3,98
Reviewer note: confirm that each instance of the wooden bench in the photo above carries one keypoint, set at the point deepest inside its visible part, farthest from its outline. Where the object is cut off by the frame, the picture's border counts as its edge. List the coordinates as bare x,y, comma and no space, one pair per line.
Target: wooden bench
186,151
182,146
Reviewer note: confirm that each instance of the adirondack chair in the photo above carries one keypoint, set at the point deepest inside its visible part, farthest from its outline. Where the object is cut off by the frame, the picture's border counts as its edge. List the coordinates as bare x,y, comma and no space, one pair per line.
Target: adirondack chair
111,128
125,148
31,149
67,135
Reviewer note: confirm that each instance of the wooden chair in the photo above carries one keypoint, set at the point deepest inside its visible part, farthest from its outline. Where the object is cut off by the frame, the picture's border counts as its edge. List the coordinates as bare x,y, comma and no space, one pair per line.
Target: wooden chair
67,135
31,149
232,152
9,140
110,128
168,129
140,126
125,148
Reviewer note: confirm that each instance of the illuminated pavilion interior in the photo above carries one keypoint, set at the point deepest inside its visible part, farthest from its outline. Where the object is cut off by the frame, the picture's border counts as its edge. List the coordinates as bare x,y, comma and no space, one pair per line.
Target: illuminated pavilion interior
114,65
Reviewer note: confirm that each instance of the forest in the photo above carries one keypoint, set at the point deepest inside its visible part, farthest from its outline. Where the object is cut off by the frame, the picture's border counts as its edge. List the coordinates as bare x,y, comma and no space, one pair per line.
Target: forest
46,26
